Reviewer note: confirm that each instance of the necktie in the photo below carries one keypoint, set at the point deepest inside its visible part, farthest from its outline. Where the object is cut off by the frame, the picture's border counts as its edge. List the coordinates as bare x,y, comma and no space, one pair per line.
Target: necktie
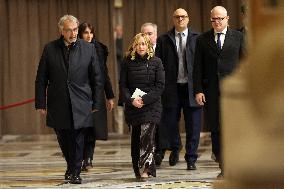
182,66
180,44
219,41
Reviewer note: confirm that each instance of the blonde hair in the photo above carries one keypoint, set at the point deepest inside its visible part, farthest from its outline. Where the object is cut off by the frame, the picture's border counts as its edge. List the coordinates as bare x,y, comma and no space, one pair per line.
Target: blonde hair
131,52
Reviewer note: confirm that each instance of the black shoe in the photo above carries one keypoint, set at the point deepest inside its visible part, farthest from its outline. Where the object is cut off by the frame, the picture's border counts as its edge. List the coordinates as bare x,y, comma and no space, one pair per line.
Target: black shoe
174,158
159,156
137,173
191,166
67,175
76,179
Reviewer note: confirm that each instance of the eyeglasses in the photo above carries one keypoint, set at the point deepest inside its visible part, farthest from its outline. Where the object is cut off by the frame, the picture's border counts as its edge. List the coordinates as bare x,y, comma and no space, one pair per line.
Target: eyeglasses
218,19
75,30
178,17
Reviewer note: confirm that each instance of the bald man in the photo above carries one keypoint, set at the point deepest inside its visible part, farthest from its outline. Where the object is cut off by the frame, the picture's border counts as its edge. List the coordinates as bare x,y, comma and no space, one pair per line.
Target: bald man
217,53
176,50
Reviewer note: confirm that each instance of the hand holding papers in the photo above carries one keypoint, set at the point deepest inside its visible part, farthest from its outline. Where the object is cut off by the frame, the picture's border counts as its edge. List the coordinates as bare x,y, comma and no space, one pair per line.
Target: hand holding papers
137,102
138,93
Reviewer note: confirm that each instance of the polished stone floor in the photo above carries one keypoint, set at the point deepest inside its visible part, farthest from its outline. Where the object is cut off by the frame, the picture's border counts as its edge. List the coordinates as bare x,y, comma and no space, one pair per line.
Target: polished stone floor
36,162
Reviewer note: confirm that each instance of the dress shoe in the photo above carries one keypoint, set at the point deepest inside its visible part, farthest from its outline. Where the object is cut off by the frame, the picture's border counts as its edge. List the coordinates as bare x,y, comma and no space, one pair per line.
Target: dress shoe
174,158
191,166
67,175
137,173
76,179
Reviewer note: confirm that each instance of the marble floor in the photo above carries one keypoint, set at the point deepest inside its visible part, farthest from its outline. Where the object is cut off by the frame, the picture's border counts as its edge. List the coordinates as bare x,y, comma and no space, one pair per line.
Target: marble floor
36,162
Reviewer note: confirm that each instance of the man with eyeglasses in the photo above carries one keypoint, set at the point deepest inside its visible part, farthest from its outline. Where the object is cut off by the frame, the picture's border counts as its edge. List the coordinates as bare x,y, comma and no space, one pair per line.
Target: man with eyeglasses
67,89
218,52
176,50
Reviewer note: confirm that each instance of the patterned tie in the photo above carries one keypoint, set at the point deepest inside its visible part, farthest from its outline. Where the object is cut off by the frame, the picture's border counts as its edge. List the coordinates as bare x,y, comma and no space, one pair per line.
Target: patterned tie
182,67
180,44
219,41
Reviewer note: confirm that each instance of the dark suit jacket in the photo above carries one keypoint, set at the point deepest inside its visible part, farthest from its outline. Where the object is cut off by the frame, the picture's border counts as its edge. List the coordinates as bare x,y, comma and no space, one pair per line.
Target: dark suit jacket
166,50
211,65
71,93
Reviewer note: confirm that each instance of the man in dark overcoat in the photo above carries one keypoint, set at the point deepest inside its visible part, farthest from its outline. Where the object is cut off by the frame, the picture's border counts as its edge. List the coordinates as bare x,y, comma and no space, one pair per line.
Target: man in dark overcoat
176,50
217,53
67,87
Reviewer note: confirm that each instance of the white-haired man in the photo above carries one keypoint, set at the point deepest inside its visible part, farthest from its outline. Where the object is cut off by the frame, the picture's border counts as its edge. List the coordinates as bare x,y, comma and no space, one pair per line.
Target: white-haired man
151,30
67,87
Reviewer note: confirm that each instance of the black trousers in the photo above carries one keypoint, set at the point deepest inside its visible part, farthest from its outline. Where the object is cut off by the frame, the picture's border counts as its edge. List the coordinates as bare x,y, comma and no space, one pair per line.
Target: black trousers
71,142
217,147
170,125
89,144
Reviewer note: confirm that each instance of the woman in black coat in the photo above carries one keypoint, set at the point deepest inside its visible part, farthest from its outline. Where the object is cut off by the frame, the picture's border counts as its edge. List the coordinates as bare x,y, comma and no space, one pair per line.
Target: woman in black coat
99,131
142,70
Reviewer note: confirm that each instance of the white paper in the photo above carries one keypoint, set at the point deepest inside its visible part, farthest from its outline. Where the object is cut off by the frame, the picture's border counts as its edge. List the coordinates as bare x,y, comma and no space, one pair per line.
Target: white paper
138,93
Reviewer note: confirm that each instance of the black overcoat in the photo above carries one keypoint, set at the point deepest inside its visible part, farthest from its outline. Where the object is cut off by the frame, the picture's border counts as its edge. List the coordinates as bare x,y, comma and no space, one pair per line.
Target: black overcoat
68,93
211,65
100,117
166,50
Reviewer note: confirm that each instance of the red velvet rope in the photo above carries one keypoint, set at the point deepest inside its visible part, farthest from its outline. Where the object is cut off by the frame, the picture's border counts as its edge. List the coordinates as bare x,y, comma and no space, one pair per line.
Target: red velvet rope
17,104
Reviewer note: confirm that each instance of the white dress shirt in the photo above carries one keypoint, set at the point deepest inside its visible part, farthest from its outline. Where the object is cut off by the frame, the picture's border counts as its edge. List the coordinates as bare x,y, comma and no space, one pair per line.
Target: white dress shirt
222,36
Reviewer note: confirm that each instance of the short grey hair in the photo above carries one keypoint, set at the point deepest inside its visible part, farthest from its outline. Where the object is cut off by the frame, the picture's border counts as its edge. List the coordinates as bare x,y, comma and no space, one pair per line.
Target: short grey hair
67,17
150,24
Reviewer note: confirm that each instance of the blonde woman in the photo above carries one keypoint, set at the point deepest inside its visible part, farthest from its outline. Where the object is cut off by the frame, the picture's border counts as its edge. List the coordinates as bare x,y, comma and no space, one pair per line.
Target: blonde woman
142,70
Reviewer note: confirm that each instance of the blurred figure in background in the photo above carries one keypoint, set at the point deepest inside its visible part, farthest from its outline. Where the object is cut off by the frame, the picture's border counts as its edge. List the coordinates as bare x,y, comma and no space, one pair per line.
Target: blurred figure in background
119,47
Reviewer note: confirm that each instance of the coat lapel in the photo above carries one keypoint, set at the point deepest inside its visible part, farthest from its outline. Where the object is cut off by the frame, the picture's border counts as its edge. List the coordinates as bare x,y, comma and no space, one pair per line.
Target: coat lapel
228,39
189,49
72,56
60,54
211,40
171,35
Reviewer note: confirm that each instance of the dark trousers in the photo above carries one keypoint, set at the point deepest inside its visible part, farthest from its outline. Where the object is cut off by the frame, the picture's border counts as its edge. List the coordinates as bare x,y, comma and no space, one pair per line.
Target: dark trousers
192,119
71,142
89,144
135,148
216,146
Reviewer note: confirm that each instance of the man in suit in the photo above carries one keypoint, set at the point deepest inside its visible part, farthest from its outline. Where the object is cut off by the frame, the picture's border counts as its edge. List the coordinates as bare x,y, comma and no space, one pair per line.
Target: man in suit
67,87
151,30
217,53
176,50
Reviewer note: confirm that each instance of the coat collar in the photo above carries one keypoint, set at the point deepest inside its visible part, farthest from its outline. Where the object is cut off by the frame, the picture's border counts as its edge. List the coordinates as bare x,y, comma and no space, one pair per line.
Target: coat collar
62,47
